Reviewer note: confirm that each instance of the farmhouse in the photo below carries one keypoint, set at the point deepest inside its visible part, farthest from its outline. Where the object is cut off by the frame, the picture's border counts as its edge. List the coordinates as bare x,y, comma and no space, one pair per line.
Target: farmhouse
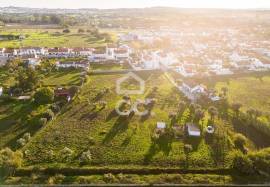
193,130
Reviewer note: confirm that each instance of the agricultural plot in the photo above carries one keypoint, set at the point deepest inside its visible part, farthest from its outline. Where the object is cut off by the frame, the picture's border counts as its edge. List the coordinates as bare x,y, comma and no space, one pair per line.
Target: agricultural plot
62,78
89,124
251,92
51,38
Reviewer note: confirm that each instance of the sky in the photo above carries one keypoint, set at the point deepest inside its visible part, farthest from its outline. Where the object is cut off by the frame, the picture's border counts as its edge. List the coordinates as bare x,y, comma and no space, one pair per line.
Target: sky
107,4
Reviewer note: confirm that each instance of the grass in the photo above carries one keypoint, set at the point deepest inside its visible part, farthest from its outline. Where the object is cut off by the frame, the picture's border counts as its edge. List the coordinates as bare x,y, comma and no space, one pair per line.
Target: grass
14,121
251,92
51,38
6,78
107,66
62,77
114,140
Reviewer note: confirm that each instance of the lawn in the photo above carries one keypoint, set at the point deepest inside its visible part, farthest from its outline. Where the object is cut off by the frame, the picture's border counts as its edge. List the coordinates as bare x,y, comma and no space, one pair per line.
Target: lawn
6,79
108,66
62,78
51,38
14,121
112,139
251,92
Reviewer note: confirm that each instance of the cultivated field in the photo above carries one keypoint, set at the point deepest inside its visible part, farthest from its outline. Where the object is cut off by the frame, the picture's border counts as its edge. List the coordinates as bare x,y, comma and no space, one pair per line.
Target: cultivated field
51,38
115,140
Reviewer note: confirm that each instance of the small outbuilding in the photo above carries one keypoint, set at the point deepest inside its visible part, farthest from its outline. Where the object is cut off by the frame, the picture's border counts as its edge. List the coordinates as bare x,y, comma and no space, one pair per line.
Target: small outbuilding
193,130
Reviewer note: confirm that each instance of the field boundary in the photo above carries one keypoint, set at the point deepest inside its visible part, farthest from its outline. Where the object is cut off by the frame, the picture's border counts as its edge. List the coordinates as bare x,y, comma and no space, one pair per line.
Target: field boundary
139,171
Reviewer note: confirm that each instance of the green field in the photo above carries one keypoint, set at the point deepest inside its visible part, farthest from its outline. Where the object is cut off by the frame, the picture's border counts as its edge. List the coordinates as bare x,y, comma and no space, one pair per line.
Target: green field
250,91
62,78
114,140
51,38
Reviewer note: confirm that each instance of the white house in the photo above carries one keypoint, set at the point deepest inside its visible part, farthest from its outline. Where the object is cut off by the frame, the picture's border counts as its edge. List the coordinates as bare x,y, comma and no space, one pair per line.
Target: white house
110,50
186,70
166,59
80,51
2,51
3,60
193,130
59,52
121,54
31,50
149,62
34,61
192,92
98,56
9,52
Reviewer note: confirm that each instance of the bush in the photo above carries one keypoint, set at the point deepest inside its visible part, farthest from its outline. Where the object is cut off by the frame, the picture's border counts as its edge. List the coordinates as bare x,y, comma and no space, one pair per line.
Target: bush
44,96
27,136
109,178
9,161
42,121
86,157
55,108
240,141
21,142
48,115
243,163
66,153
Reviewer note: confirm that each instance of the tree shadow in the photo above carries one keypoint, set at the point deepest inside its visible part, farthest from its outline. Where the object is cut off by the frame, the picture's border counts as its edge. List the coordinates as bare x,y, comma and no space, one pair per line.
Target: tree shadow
120,126
163,144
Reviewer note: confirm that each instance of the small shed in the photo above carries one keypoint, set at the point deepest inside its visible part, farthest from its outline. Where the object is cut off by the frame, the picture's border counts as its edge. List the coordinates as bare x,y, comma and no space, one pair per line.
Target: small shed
161,125
193,130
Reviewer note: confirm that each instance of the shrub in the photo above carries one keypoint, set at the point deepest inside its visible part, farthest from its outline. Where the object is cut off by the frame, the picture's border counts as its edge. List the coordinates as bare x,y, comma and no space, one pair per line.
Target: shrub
240,141
21,142
42,121
48,115
109,178
86,157
55,108
9,161
243,163
27,136
44,96
66,153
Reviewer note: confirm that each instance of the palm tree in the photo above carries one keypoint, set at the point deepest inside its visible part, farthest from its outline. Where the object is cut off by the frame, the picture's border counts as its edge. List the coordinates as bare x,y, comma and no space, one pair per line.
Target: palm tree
213,111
